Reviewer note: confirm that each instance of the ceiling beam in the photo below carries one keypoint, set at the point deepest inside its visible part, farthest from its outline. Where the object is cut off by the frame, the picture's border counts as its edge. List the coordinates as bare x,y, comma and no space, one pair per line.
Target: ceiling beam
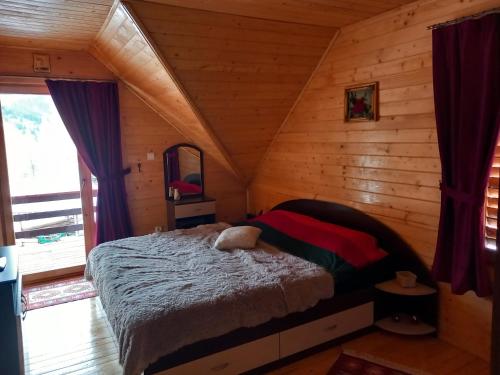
124,47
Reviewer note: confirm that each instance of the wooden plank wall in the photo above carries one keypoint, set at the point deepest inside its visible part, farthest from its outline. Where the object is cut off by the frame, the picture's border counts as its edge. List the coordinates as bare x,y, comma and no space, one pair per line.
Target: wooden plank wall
242,73
389,169
142,131
64,64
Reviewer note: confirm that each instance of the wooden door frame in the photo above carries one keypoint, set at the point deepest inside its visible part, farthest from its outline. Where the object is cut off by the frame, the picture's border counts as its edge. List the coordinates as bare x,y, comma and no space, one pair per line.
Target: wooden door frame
7,236
12,85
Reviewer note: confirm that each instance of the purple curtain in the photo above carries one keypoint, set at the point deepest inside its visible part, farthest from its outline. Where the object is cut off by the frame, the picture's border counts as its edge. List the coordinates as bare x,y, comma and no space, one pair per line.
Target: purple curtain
173,165
466,69
90,112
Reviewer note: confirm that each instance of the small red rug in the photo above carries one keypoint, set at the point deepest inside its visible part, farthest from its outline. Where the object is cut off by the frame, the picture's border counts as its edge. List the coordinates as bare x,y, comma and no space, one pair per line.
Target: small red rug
347,364
58,292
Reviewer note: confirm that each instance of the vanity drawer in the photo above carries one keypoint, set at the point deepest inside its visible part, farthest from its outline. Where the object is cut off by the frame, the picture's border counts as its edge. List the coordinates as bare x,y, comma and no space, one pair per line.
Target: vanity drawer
194,209
232,361
306,336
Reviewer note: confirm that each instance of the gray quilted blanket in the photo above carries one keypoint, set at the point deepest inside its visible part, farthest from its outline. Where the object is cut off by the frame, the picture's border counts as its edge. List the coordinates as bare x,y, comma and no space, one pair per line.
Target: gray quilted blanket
164,291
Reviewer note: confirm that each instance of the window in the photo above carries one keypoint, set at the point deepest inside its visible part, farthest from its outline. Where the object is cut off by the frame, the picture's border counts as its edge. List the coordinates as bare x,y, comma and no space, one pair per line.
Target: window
492,201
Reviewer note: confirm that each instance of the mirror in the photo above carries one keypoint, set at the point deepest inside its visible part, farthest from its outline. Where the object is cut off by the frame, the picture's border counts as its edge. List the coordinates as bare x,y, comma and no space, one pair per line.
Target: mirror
183,168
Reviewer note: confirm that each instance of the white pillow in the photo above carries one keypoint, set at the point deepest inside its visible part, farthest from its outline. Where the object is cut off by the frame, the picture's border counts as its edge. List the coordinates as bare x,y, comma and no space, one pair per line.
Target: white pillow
244,237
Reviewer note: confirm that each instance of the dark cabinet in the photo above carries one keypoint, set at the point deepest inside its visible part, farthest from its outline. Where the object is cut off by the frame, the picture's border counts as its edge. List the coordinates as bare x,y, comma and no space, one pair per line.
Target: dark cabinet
407,311
11,311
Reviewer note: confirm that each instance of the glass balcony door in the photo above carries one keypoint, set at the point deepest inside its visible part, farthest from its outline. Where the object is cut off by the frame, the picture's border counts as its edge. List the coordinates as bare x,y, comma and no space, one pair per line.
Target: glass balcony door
51,192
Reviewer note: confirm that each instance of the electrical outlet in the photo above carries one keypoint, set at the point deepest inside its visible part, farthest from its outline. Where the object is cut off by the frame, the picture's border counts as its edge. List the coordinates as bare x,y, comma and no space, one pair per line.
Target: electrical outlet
150,156
158,229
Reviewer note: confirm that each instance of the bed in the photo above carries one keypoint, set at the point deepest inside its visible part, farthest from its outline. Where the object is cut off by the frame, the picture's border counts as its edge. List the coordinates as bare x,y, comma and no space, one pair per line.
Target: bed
232,312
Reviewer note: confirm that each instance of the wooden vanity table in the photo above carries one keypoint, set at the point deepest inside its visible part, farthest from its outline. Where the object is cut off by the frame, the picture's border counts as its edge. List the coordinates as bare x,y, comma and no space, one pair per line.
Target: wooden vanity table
190,212
183,169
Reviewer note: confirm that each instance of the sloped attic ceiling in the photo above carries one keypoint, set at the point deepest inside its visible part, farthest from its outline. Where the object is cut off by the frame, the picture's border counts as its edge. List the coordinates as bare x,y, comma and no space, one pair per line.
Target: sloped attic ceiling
225,73
242,73
60,24
332,13
130,54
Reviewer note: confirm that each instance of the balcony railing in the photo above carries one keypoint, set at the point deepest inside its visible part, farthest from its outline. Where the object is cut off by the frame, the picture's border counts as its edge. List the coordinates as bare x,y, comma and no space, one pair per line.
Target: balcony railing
69,225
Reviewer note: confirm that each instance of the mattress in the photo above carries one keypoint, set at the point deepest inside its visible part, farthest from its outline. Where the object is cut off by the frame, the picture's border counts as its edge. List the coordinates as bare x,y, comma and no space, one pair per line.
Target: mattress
164,291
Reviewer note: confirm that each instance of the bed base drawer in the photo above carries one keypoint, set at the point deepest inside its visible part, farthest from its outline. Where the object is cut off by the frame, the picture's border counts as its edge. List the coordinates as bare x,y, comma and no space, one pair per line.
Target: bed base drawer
232,361
194,209
269,349
308,335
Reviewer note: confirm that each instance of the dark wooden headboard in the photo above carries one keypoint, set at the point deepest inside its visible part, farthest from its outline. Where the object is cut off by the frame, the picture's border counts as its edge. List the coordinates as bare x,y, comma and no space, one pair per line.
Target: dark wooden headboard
404,258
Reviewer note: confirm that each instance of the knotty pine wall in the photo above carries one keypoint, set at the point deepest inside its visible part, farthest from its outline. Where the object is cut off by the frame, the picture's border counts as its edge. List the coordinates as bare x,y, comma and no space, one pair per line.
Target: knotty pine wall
142,131
64,64
390,168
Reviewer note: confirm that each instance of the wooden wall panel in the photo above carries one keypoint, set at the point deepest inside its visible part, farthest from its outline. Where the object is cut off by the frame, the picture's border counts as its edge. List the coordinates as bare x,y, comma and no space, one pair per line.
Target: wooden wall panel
242,73
142,131
64,64
390,168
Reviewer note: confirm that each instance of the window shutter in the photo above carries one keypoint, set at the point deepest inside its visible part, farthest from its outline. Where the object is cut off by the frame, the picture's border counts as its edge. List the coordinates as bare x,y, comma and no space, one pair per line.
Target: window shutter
492,201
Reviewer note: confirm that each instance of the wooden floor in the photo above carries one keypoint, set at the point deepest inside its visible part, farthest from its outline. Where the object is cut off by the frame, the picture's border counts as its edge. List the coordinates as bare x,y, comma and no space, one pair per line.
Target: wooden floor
75,338
36,258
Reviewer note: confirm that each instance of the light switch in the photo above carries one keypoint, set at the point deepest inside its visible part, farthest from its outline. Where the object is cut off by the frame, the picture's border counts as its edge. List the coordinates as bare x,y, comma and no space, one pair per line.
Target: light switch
151,156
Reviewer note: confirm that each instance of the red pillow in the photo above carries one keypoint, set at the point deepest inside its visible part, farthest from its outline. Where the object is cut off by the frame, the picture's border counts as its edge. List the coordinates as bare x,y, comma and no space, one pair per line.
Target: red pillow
357,248
186,187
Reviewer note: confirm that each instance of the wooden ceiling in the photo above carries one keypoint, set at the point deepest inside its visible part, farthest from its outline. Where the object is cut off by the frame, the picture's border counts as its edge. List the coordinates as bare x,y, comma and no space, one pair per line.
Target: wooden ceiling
61,24
72,24
132,56
225,73
242,73
330,13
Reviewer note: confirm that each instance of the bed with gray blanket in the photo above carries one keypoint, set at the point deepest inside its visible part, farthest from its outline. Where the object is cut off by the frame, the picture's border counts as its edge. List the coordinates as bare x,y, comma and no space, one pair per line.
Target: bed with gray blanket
164,291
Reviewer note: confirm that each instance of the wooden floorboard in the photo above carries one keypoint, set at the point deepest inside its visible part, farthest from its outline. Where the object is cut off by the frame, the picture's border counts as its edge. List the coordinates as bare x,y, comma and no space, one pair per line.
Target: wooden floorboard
75,338
36,258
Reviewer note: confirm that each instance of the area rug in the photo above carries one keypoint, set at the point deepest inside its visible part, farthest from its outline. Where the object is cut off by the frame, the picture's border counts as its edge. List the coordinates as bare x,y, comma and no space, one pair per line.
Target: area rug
55,293
352,363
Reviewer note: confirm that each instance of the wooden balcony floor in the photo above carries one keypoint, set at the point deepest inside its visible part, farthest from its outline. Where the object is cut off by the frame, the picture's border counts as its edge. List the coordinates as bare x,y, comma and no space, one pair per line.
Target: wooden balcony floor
36,258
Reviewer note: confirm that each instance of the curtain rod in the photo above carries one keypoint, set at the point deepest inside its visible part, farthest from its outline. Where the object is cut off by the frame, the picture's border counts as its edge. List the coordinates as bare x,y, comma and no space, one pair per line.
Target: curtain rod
4,76
462,19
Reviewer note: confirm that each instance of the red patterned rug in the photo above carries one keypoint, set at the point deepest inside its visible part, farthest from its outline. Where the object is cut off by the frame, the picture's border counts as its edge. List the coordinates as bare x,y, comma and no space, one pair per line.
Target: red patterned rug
347,364
55,293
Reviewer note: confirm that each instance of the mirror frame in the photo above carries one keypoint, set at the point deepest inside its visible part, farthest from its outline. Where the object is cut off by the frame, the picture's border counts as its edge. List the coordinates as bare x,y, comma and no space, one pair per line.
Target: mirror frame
166,175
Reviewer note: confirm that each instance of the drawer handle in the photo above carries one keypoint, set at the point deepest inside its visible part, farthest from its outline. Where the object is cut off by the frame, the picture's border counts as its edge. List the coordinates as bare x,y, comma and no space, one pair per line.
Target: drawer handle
220,367
331,328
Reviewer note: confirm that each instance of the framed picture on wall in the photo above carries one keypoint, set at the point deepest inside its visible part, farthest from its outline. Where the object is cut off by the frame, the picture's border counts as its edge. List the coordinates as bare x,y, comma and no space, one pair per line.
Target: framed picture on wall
361,102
